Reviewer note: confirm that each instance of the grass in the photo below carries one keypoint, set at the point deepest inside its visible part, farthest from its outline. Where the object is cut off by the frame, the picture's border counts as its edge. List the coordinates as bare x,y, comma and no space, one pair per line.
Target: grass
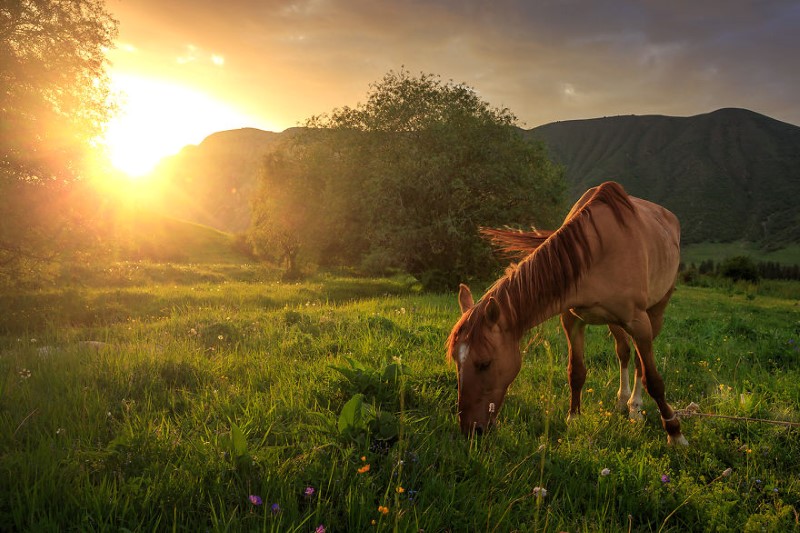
159,397
697,253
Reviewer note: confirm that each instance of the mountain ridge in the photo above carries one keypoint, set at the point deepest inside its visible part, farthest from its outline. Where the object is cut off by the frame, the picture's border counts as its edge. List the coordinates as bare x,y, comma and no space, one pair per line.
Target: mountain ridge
730,174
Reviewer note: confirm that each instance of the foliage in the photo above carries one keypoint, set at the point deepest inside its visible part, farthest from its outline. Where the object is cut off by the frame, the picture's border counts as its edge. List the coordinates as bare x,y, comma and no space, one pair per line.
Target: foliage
41,221
404,181
52,69
739,268
53,105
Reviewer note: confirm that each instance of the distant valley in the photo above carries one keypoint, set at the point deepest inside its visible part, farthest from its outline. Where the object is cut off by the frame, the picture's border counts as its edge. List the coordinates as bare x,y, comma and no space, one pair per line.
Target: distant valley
730,175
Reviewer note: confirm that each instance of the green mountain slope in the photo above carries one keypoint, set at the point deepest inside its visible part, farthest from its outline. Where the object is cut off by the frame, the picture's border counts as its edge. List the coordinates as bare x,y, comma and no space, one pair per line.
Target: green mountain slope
728,175
151,236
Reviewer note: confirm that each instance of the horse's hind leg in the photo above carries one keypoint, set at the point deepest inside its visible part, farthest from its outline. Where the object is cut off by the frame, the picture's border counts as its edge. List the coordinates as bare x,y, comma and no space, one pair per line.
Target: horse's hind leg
627,402
641,330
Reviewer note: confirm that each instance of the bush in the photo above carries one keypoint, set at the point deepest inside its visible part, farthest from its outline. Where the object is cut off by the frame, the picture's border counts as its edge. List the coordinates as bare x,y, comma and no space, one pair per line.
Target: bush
739,268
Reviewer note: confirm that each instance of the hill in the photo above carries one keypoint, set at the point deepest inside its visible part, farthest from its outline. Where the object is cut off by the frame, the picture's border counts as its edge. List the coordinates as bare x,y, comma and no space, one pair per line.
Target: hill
146,235
729,175
211,183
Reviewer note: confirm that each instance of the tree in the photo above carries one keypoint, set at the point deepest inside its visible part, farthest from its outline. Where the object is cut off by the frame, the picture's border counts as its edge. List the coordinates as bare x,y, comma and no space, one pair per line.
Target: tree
739,268
53,105
406,180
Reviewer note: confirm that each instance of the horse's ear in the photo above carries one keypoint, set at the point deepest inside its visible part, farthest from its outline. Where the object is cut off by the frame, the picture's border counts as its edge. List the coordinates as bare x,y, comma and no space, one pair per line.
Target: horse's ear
492,311
465,298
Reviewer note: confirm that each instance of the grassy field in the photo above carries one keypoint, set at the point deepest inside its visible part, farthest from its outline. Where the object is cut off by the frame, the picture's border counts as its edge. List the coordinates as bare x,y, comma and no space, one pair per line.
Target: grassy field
697,253
163,397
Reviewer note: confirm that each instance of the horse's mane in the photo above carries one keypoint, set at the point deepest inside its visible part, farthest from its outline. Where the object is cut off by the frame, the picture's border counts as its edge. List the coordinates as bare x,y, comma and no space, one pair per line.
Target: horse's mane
545,276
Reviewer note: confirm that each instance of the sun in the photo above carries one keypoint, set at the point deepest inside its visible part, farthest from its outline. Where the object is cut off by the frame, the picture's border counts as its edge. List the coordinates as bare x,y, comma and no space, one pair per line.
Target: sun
157,118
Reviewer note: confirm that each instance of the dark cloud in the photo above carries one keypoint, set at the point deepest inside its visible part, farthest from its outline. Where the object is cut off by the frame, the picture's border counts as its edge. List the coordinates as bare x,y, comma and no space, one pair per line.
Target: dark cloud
545,60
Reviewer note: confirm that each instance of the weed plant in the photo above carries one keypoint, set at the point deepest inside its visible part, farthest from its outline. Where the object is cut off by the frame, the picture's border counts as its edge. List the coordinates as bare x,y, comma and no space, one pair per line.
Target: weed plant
147,397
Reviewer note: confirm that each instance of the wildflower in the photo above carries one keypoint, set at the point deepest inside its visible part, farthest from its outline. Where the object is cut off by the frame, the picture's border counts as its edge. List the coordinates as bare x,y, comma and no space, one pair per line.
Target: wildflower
363,458
320,529
363,469
726,472
255,500
309,492
383,509
539,492
275,508
59,431
604,472
400,490
373,522
220,337
664,478
24,373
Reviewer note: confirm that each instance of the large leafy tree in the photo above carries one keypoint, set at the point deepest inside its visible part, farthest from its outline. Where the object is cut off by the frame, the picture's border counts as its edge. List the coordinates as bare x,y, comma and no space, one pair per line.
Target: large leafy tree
53,105
406,179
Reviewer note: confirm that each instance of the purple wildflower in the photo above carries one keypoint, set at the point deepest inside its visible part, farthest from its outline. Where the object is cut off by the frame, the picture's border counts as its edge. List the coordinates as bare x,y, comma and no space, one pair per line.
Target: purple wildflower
255,500
275,508
309,492
664,478
320,529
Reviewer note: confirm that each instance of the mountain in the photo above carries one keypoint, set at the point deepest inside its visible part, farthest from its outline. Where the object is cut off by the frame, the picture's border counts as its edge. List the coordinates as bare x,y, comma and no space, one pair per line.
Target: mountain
729,175
212,183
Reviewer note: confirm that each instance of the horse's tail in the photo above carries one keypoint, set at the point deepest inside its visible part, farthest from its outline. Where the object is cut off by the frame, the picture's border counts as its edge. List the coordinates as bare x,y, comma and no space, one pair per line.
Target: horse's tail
515,243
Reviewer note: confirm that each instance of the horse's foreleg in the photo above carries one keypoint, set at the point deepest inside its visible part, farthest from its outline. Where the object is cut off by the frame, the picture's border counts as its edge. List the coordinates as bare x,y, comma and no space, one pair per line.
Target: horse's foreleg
576,368
641,332
623,349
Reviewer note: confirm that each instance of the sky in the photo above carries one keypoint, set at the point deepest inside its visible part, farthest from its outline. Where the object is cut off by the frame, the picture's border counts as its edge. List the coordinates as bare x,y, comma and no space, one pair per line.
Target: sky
184,69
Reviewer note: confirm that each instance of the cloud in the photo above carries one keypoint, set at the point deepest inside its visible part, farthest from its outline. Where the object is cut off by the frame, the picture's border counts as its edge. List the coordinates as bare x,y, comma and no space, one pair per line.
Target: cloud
618,57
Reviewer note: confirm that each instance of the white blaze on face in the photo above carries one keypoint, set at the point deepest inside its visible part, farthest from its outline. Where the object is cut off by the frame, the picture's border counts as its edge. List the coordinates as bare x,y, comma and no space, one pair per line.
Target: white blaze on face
463,353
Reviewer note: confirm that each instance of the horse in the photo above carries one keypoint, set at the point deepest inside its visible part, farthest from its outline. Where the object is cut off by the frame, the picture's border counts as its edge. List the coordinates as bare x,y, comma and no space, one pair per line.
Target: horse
614,261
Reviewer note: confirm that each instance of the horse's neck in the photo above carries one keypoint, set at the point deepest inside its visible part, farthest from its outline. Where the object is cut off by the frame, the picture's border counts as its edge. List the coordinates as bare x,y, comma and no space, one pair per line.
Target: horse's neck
531,311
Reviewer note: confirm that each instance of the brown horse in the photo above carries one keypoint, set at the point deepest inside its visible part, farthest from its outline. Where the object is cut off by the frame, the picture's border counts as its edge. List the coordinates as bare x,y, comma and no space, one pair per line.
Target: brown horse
613,261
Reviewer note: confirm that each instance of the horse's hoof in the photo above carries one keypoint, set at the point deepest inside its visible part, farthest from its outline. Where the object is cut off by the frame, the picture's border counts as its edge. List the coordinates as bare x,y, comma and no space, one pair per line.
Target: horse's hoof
636,414
622,405
679,440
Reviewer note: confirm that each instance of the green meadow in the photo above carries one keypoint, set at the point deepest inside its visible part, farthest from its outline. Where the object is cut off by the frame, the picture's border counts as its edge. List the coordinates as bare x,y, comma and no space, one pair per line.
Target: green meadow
163,397
718,251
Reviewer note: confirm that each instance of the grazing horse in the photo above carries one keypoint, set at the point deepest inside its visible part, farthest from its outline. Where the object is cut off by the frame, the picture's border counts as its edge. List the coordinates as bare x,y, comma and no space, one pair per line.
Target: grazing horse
613,261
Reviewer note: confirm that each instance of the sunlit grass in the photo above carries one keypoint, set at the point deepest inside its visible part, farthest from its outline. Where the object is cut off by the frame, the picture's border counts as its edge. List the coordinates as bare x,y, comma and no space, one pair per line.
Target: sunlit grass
168,397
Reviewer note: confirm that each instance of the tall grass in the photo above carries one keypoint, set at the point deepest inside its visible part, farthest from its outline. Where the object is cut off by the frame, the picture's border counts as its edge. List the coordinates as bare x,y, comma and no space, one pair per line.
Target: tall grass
164,400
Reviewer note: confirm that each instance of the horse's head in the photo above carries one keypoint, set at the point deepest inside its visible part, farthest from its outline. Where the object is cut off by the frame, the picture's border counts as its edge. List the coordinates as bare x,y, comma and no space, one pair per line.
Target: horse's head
486,352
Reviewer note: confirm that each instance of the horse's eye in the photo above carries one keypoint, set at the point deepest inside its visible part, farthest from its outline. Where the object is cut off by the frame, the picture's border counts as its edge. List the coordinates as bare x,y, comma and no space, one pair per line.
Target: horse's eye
480,366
